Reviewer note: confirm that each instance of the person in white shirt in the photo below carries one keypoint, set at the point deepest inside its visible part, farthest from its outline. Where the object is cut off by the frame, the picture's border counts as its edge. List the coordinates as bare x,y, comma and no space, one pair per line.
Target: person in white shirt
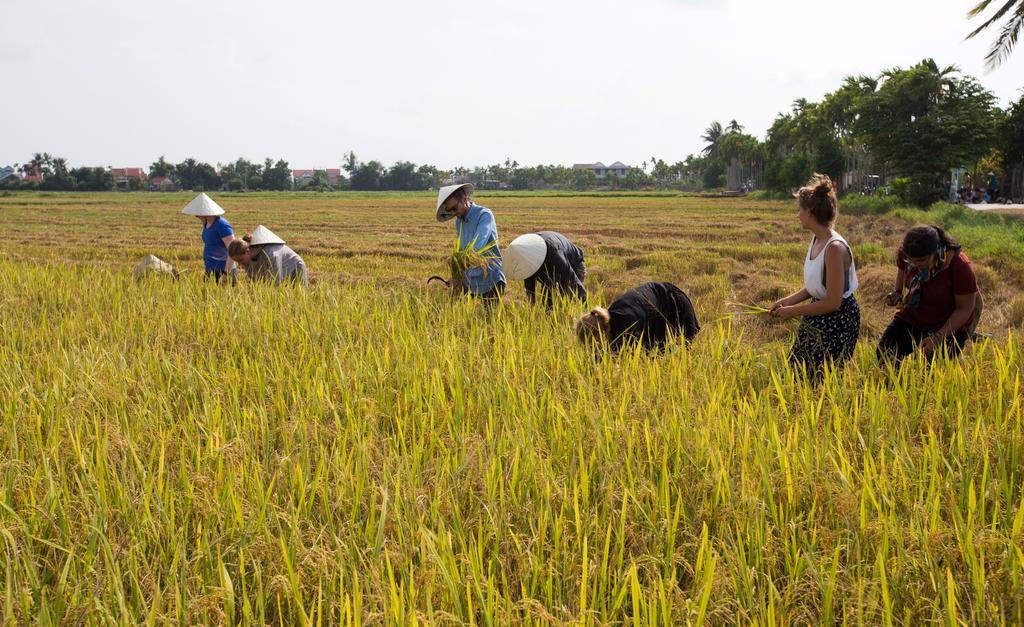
831,320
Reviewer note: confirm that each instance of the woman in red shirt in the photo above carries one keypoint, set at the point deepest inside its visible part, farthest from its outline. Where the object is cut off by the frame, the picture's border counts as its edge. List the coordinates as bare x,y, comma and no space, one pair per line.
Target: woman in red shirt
937,294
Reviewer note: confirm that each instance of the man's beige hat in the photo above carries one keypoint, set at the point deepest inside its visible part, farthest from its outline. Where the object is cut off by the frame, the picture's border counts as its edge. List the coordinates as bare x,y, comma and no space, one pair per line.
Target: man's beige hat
262,235
524,256
202,205
443,194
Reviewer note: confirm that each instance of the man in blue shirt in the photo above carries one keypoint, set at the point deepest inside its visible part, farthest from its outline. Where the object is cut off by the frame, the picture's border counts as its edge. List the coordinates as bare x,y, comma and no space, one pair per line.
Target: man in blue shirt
474,225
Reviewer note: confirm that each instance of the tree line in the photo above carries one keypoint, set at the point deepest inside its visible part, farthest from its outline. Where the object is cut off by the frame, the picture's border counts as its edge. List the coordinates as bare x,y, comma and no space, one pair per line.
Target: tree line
913,126
908,127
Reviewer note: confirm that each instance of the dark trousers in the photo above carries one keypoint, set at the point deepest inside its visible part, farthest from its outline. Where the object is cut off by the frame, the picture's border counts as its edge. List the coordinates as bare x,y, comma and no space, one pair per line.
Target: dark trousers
901,339
217,275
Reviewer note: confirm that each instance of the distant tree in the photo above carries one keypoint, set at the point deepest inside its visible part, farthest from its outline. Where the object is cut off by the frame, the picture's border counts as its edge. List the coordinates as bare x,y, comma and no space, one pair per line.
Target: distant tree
925,121
320,181
402,176
94,179
815,137
711,137
247,173
1008,33
734,127
38,165
59,178
276,176
783,174
662,173
635,178
583,179
185,173
161,167
350,163
195,175
714,175
1011,133
367,176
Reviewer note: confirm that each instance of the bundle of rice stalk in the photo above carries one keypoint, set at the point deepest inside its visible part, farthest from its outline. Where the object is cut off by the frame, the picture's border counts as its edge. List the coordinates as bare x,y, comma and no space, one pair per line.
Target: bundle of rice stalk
757,310
748,310
465,258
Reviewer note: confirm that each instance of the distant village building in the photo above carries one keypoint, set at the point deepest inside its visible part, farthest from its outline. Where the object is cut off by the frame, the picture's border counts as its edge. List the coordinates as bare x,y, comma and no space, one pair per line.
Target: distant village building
602,171
8,175
162,184
31,173
301,178
122,176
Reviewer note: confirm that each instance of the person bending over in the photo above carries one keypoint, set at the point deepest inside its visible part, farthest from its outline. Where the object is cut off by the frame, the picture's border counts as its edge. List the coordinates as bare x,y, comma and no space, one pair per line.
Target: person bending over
547,260
266,257
647,315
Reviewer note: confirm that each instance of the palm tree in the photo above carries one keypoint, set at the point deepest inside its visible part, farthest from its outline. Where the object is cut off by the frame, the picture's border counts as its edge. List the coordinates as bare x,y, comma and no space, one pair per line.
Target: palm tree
60,166
734,127
1007,38
712,135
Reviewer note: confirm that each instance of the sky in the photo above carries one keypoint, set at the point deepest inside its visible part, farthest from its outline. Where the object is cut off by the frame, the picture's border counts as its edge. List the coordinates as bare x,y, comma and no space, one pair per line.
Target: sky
448,82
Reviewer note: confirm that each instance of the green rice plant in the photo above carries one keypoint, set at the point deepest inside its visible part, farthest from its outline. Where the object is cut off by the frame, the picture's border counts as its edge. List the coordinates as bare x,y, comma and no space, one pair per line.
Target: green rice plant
359,453
748,310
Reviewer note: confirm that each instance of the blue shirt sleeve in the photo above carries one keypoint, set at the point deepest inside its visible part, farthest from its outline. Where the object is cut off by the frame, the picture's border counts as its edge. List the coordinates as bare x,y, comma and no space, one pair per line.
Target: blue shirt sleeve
224,228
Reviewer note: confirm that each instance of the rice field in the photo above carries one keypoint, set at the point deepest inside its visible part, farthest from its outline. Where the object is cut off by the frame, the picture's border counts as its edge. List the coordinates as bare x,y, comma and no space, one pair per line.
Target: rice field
368,451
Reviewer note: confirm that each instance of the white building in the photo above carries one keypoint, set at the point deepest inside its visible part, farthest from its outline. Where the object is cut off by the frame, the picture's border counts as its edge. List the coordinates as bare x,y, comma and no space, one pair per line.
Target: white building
601,170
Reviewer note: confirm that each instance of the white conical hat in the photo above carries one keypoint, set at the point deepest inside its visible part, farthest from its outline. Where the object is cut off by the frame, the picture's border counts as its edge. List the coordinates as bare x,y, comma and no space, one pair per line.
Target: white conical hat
151,264
202,205
443,194
262,235
524,256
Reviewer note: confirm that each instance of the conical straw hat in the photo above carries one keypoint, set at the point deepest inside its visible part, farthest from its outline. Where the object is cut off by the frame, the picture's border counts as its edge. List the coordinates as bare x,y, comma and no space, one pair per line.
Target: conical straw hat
202,205
524,256
262,235
443,194
151,264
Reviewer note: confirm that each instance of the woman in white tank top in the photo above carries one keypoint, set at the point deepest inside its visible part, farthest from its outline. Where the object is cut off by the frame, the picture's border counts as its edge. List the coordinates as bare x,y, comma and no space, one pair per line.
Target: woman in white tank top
831,320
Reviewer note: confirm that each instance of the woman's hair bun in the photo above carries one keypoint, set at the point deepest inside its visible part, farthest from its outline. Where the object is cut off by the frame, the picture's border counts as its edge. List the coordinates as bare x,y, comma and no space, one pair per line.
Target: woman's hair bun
819,196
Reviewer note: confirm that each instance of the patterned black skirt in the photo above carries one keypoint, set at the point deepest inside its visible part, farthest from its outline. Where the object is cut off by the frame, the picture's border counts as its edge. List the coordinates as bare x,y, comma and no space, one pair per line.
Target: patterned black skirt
830,337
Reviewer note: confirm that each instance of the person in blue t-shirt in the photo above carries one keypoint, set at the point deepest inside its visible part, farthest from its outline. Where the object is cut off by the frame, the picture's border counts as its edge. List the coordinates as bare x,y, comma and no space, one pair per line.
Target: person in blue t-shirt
474,225
217,236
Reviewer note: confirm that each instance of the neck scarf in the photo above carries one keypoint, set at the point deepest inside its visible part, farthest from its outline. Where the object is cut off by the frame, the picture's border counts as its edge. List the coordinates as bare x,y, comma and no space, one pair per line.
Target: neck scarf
912,297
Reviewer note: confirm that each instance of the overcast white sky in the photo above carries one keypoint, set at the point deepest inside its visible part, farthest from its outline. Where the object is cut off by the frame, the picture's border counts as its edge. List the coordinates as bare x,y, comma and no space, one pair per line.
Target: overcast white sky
448,82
